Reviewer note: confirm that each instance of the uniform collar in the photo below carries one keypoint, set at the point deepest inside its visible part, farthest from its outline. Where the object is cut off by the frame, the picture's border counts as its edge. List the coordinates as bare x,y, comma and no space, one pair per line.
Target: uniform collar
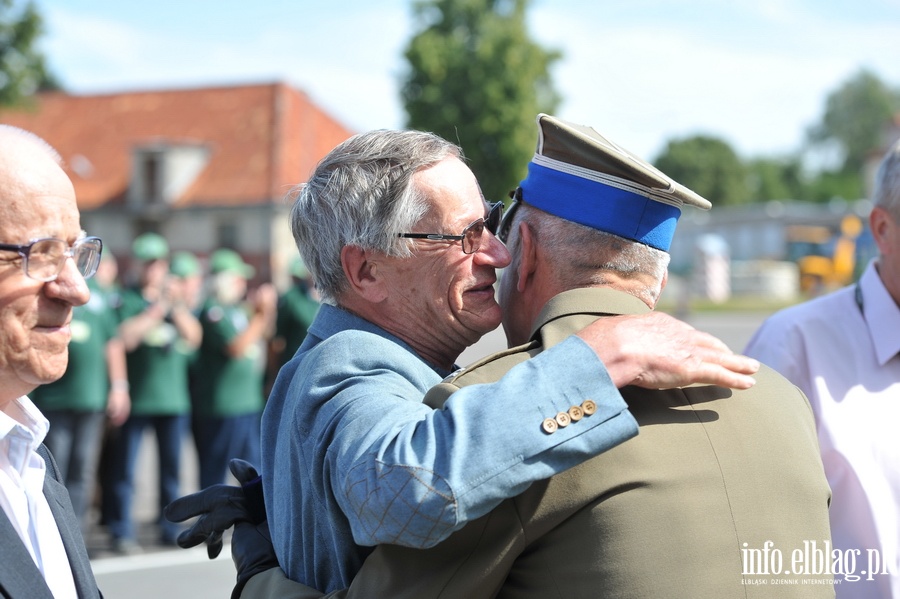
587,302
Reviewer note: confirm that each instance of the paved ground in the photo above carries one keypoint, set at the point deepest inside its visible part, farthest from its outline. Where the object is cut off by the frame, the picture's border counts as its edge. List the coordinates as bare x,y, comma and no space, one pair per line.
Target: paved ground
159,571
172,573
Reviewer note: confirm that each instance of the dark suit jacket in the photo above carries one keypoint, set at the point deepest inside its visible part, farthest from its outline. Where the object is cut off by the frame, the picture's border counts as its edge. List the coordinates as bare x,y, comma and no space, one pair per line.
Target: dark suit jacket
19,576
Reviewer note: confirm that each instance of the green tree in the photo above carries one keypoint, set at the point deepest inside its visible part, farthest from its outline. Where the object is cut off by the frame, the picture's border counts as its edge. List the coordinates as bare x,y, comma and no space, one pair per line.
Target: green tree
776,179
828,185
707,165
855,118
23,70
476,78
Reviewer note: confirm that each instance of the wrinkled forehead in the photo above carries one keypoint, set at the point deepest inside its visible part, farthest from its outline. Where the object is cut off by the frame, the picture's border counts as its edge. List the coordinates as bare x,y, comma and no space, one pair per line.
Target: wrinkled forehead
452,192
36,196
24,153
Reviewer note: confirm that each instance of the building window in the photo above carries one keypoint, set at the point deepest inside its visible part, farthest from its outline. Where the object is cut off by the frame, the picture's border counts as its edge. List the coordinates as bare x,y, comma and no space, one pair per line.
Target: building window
227,235
151,167
162,172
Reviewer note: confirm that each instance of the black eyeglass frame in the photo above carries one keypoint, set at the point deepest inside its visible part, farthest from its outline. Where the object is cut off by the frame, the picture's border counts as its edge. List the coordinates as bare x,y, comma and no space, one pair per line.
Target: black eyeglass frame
506,221
86,268
491,222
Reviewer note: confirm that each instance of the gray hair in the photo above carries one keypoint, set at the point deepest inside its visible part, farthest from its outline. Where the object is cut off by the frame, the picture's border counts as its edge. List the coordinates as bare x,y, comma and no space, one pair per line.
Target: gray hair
887,183
18,133
362,194
581,256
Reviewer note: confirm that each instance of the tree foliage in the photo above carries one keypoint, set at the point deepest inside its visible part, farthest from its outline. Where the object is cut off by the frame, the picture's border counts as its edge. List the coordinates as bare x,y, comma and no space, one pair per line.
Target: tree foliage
23,70
855,117
829,185
707,165
776,179
476,78
857,114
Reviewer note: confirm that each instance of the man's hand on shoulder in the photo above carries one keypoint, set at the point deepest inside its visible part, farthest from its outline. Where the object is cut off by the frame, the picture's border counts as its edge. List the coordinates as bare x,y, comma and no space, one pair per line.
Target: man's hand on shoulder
657,351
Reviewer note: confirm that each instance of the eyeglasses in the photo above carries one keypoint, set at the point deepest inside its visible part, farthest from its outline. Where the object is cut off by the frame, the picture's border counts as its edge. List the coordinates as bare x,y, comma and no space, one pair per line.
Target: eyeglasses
471,236
506,222
43,259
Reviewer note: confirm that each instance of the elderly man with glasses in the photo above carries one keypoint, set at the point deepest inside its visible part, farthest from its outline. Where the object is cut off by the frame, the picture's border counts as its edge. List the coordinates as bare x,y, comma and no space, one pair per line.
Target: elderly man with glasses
351,456
43,552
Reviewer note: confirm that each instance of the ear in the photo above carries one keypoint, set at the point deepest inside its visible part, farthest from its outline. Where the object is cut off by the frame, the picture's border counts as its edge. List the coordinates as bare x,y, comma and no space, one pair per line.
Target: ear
883,230
662,286
528,259
361,271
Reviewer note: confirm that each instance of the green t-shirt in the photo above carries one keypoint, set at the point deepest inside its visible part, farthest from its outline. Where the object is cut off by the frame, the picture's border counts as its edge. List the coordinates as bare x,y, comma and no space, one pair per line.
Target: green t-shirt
296,311
158,367
226,386
85,385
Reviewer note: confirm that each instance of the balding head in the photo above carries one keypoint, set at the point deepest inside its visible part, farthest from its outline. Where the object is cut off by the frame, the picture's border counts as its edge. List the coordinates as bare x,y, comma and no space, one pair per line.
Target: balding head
37,201
27,161
17,135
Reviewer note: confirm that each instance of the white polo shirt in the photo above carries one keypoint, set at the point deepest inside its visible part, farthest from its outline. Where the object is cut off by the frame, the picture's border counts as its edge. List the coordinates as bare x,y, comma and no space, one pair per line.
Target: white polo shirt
841,350
22,430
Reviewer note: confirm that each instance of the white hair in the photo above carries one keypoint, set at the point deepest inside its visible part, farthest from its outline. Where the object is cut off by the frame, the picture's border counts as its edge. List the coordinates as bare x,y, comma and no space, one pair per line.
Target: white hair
581,256
18,133
887,183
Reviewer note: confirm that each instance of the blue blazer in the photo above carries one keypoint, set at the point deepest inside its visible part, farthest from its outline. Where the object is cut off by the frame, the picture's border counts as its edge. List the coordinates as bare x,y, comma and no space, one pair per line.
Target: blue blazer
19,576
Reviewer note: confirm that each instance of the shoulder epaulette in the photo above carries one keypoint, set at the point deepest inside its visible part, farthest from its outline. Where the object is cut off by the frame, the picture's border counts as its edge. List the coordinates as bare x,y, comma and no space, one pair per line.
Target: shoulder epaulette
505,358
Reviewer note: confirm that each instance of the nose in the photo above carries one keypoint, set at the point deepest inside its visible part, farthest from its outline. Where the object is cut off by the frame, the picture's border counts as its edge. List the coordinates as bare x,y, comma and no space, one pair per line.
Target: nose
492,251
69,285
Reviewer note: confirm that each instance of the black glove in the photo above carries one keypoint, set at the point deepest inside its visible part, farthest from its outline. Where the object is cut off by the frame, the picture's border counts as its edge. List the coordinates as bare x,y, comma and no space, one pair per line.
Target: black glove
252,552
219,507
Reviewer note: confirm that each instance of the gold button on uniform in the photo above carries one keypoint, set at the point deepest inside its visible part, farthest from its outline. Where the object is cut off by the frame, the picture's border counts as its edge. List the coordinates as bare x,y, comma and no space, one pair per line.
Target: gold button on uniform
563,420
589,407
549,425
576,413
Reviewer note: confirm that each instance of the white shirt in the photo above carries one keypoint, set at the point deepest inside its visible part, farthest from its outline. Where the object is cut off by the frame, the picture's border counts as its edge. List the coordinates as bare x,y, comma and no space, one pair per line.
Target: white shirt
842,352
22,430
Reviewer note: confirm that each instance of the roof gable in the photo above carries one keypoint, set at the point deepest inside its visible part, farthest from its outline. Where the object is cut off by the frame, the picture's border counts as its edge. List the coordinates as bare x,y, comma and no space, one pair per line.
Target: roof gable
261,139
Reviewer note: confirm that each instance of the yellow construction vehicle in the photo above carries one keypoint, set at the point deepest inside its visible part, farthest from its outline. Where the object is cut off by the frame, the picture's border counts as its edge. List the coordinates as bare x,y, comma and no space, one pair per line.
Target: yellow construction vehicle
826,260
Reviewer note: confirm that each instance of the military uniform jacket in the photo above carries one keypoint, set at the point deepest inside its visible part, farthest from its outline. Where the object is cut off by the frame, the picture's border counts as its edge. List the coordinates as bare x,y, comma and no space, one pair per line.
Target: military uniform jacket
712,500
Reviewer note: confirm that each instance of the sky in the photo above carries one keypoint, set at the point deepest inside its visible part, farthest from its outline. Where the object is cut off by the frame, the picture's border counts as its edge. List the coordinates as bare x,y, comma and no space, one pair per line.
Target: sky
755,73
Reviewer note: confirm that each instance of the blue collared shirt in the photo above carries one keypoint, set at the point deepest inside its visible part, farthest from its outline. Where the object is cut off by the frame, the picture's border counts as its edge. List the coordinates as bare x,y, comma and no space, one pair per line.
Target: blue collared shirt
353,458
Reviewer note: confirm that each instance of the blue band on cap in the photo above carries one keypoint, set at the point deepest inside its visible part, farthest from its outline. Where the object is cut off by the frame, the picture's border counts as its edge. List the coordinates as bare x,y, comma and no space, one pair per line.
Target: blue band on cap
593,204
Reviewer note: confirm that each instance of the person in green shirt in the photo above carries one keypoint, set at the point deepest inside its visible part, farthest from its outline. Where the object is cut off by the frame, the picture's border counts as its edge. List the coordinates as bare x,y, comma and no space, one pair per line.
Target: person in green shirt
228,393
160,335
186,266
297,307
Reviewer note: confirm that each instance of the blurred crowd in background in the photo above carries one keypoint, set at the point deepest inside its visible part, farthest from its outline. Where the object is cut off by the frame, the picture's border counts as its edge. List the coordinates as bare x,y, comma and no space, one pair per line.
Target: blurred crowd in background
178,345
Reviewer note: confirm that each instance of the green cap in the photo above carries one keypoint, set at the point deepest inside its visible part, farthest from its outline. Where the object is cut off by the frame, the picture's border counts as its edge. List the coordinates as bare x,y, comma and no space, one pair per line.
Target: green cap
184,264
150,246
226,260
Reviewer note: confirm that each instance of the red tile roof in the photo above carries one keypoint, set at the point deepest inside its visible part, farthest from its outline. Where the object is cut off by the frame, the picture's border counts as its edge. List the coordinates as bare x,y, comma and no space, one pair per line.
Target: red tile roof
264,139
